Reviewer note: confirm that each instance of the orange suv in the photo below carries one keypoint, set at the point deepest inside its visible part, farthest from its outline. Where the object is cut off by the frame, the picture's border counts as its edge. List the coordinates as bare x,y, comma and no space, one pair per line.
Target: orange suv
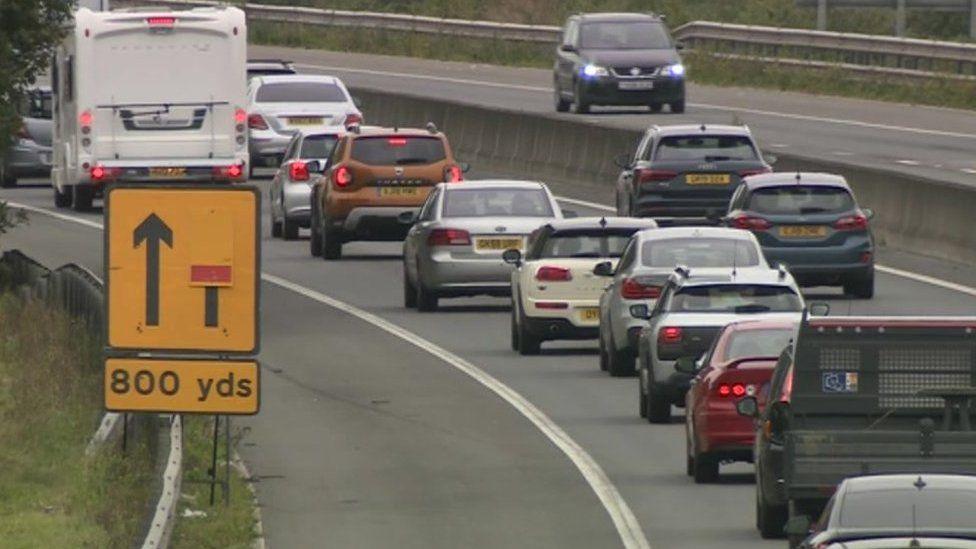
373,178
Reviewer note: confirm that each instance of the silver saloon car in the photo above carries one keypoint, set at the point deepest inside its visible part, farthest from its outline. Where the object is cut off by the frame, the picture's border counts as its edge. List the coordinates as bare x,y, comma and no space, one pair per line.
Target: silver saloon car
281,106
291,188
456,243
644,268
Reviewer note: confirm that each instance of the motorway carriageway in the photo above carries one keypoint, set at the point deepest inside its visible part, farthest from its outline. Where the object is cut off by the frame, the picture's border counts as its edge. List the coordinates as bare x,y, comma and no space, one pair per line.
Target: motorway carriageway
366,439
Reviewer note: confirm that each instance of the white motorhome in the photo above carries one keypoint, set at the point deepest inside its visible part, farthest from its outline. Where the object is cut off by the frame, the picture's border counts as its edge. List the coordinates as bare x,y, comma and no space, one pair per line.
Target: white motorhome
146,95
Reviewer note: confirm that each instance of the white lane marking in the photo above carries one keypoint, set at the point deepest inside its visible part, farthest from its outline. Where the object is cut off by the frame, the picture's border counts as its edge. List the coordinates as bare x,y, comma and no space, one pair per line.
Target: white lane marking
628,528
843,153
908,162
775,114
779,145
586,204
969,170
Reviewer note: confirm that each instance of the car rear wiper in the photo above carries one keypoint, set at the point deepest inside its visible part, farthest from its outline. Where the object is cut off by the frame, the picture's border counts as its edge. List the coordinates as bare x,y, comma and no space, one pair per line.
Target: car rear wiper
719,158
752,308
584,255
812,210
402,161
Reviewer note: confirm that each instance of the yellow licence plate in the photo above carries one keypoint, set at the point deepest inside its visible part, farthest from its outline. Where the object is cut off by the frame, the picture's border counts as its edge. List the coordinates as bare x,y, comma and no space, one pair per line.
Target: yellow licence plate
399,191
304,121
803,231
162,172
708,179
590,314
497,244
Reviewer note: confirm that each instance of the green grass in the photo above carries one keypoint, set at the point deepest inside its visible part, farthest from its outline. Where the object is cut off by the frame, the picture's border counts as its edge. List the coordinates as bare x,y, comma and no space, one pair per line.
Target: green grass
51,495
224,526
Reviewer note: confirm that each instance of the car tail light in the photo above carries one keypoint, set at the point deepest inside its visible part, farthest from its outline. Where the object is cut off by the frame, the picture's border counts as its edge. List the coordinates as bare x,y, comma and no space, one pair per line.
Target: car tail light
553,274
855,222
453,174
85,120
448,237
298,171
866,257
634,289
734,390
341,176
397,141
232,172
161,21
353,119
751,223
759,171
551,305
670,334
256,122
650,176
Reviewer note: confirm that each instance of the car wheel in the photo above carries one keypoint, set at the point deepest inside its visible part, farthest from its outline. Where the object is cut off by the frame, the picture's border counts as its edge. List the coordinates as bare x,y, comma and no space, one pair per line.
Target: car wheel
689,466
426,299
620,363
331,243
315,239
861,288
409,291
641,400
655,107
795,509
658,407
515,331
561,104
275,228
7,180
678,107
770,519
290,229
62,199
604,359
82,197
582,106
704,468
528,344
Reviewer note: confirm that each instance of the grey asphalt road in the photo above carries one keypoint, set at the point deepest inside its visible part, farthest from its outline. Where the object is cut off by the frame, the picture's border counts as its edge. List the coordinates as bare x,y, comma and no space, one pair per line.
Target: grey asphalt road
929,142
364,440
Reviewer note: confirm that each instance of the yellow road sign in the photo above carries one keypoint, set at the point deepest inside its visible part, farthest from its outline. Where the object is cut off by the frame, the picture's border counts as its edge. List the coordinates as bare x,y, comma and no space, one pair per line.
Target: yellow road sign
182,386
182,268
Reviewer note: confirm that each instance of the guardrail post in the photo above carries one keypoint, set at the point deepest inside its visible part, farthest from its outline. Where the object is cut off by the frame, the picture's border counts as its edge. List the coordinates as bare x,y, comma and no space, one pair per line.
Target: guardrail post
822,15
900,17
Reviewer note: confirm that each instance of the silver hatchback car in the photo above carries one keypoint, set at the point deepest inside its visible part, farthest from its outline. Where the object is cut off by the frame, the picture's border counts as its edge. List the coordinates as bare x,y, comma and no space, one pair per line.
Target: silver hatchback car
456,243
30,153
290,192
643,270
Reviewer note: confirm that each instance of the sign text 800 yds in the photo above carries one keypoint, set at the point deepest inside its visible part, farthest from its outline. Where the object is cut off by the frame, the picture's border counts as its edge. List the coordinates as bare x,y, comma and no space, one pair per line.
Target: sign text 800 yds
190,386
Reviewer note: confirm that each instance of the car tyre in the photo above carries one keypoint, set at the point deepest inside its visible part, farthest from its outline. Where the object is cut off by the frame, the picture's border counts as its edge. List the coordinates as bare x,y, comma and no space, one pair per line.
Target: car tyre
704,468
860,288
426,299
7,179
658,407
561,104
655,107
62,199
604,358
528,344
290,229
770,519
315,239
641,400
331,243
678,107
409,291
582,106
82,197
620,363
515,331
275,228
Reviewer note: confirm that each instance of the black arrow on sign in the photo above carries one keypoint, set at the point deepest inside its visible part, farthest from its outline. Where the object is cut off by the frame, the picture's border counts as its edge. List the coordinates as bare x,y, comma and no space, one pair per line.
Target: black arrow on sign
152,231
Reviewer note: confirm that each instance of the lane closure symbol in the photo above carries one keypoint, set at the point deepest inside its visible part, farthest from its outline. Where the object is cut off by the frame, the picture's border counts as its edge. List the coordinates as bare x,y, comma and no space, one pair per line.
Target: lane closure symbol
152,231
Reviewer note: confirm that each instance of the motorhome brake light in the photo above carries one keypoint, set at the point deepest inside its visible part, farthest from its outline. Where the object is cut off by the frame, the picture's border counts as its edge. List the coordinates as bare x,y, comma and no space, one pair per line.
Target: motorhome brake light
159,21
234,171
85,120
240,116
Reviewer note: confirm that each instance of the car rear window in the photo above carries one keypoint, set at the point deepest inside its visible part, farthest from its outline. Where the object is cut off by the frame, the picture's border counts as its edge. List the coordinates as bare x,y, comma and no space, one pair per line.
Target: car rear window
36,104
736,298
318,146
301,92
398,150
935,509
699,252
707,148
624,35
251,73
587,243
801,200
756,344
496,203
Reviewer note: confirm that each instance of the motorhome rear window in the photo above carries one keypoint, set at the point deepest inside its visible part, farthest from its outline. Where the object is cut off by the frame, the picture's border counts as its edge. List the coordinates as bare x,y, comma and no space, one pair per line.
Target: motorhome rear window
301,92
398,150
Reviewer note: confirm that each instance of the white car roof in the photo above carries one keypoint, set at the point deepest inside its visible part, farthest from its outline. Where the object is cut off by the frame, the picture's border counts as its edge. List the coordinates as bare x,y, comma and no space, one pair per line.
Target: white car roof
322,130
691,232
597,222
493,184
279,78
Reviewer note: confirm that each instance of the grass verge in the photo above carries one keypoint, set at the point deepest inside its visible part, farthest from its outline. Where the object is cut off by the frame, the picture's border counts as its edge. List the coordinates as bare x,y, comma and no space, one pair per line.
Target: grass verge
50,404
703,69
225,525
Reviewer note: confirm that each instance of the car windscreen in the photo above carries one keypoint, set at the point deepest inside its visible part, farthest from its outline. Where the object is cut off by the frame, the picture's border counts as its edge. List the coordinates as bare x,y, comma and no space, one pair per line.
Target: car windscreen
318,146
735,298
300,92
624,35
707,148
699,252
756,344
585,243
932,508
801,200
398,150
498,202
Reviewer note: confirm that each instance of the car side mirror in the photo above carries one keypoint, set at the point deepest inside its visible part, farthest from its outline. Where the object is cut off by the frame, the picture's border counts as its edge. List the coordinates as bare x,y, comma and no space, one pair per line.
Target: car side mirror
407,218
622,160
567,48
512,257
748,407
819,309
687,365
569,214
771,159
604,268
642,312
680,46
315,166
798,526
868,213
464,167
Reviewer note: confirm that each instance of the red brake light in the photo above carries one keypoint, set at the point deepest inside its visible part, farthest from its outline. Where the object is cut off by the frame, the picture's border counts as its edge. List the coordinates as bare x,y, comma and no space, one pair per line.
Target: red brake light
751,223
298,171
256,122
724,390
738,390
240,116
553,274
760,171
341,176
353,119
85,118
234,171
161,21
649,176
633,289
453,174
397,141
448,237
100,173
852,223
670,334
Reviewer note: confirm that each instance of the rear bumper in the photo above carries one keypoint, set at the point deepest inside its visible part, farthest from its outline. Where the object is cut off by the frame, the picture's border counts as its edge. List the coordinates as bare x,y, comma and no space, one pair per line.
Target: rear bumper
606,91
725,432
376,223
26,158
812,266
681,211
456,276
559,328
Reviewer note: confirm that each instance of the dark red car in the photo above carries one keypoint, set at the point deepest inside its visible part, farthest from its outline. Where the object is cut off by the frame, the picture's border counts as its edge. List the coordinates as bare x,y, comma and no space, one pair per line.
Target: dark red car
740,363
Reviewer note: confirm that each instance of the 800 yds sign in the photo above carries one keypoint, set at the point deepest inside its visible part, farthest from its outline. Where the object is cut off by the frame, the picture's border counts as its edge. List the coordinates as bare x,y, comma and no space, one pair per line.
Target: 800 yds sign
188,386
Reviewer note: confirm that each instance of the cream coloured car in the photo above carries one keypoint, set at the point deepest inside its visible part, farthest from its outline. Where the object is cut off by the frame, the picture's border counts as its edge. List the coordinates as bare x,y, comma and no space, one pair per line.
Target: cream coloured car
555,294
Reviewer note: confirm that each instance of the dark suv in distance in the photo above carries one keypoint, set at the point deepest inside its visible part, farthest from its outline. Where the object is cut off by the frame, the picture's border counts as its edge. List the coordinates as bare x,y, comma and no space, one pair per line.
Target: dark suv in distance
686,174
618,59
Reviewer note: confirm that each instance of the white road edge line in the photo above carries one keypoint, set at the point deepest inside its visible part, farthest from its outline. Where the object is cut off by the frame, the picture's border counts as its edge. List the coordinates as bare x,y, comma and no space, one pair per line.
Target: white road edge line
790,116
624,520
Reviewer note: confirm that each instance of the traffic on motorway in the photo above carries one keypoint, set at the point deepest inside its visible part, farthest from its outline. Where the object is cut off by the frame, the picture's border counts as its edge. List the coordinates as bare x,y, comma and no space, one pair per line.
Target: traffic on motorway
858,427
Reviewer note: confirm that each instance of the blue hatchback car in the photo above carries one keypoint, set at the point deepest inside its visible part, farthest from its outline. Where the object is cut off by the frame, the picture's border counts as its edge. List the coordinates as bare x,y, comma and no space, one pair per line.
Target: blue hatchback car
812,223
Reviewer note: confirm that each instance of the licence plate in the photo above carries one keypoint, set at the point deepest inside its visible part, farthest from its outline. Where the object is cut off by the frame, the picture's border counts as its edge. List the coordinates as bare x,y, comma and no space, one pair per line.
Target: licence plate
803,231
497,244
305,121
708,179
590,314
167,172
399,191
638,85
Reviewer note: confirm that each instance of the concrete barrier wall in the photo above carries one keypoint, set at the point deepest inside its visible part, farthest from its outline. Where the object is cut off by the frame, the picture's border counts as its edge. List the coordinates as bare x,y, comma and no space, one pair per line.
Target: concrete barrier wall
921,216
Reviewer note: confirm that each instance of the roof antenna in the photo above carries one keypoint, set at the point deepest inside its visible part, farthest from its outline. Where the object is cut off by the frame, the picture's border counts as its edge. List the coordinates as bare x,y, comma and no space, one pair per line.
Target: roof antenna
603,221
702,127
915,542
798,178
735,257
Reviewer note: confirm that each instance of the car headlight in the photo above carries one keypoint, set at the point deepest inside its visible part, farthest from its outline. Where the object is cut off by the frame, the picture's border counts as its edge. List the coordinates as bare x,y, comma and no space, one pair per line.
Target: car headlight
677,70
591,71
